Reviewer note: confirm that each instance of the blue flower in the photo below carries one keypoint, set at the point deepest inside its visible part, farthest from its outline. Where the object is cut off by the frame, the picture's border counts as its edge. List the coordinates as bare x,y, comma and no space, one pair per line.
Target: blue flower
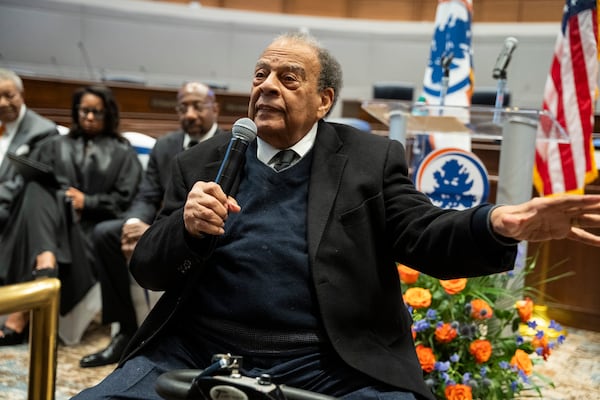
454,357
431,314
539,351
504,364
555,325
466,377
523,376
539,334
519,339
445,377
442,366
532,324
483,371
421,325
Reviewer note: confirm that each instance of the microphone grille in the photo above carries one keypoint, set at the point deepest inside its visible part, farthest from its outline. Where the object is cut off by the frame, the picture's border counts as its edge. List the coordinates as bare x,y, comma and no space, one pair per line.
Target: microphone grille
244,129
512,41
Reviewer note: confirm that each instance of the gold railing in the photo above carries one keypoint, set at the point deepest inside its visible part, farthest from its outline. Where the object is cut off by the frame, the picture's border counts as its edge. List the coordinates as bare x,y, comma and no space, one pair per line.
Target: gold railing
42,298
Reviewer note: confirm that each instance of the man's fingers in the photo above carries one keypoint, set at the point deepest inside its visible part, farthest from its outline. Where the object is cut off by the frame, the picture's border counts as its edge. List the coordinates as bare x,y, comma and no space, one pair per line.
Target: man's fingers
583,236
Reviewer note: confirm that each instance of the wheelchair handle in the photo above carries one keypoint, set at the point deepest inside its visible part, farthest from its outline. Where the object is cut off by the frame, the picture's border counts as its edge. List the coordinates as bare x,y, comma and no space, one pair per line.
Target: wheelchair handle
175,385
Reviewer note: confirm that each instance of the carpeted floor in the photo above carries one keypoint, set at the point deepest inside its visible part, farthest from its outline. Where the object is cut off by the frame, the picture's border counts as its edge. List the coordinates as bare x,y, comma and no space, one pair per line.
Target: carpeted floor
574,367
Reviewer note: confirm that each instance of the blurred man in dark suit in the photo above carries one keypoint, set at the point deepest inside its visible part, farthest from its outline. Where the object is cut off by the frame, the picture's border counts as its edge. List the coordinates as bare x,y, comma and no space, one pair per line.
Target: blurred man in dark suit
20,130
115,240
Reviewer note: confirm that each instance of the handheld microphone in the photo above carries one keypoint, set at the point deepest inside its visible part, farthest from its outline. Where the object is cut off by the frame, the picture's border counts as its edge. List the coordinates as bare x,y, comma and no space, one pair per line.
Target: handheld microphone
244,132
510,44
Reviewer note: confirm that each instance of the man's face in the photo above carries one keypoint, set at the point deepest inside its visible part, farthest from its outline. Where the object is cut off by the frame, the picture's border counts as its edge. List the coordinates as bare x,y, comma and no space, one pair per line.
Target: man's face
197,112
285,102
11,100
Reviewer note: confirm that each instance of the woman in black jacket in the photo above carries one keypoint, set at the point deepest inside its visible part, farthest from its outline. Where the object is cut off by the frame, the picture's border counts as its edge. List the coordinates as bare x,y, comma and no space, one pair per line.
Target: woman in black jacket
98,174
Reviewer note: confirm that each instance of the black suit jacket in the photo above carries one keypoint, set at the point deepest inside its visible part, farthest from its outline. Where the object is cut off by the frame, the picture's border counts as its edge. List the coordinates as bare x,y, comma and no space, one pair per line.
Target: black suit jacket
32,129
364,214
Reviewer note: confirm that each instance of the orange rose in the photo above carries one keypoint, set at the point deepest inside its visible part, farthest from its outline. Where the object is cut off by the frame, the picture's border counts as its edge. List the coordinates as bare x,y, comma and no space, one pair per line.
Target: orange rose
417,297
426,358
414,333
543,343
458,392
480,309
524,308
407,274
445,333
453,286
522,361
481,350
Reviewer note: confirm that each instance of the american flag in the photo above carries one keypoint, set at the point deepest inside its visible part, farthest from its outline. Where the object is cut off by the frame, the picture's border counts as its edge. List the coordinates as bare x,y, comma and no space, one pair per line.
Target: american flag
569,95
452,36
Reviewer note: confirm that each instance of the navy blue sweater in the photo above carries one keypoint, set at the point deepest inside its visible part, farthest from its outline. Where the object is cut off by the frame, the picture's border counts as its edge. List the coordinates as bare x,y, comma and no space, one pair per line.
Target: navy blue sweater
259,274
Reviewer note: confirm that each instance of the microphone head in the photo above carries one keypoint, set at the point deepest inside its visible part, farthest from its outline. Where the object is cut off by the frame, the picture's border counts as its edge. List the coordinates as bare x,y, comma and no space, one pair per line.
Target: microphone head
511,41
244,129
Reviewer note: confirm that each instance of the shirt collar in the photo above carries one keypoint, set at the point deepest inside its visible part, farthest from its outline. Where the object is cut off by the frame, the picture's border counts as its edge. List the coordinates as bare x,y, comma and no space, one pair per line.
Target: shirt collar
211,132
265,151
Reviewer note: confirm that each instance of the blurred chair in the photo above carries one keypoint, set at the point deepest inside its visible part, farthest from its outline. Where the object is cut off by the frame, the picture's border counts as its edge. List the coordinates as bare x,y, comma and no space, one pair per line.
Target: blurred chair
486,96
393,90
73,324
354,122
142,144
63,130
42,298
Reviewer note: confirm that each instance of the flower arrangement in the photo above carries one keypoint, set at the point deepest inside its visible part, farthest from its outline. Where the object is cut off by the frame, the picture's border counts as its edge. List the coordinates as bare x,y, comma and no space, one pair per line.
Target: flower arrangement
476,338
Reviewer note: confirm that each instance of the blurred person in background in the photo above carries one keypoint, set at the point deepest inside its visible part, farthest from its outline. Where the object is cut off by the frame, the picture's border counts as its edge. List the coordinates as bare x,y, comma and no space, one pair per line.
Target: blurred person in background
21,129
114,240
98,174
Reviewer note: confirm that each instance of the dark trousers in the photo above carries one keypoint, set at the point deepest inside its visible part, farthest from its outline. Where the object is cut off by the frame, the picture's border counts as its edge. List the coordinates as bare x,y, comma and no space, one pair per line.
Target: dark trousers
113,274
318,372
43,222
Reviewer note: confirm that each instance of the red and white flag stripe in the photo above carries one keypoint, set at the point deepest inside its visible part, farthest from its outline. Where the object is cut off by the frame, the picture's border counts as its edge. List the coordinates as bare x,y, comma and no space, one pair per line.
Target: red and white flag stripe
569,95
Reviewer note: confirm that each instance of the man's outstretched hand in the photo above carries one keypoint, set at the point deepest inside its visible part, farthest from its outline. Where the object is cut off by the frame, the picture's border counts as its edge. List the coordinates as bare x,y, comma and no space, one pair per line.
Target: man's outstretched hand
546,218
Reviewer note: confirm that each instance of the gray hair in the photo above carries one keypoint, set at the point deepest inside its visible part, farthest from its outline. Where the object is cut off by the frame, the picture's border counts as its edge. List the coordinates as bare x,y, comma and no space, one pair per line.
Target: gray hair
331,71
8,75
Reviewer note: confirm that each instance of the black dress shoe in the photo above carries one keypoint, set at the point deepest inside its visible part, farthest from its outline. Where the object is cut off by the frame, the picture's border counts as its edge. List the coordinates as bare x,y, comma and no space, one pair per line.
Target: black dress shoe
11,337
45,272
110,355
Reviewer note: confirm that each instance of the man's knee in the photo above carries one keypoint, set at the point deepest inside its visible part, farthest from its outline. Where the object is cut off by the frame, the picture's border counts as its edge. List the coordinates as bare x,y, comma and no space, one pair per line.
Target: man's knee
107,234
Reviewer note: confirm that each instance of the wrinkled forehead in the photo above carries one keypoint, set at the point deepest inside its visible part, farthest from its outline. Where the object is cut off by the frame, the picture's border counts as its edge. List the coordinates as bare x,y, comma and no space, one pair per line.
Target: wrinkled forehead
291,54
8,84
196,91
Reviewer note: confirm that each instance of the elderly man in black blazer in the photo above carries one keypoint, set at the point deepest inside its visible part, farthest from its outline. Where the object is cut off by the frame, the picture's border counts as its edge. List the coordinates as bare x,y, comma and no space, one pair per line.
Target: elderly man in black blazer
114,240
20,130
296,270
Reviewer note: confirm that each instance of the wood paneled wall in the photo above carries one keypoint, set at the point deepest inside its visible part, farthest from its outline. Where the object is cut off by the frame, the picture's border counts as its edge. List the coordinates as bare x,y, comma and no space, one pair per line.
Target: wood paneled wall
397,10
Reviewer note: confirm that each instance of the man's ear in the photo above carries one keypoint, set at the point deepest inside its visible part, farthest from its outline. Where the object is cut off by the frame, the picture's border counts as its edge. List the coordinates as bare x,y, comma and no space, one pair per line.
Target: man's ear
326,102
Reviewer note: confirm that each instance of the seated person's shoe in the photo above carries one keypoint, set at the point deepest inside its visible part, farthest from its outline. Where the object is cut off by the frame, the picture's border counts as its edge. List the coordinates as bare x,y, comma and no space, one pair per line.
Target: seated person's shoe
110,355
45,272
11,337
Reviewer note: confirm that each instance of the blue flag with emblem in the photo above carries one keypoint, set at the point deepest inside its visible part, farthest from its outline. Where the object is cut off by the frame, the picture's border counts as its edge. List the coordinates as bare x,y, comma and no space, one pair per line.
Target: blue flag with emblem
451,55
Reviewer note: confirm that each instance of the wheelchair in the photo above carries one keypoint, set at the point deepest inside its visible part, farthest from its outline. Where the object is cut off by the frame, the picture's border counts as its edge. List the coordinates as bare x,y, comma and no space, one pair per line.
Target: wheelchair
222,380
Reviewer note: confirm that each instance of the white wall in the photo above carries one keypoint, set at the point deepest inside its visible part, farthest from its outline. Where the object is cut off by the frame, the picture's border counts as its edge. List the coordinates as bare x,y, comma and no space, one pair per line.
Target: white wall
164,44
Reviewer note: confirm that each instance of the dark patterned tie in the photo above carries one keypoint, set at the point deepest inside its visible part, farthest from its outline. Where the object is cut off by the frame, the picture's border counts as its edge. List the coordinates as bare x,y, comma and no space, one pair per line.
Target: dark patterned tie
192,143
283,159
